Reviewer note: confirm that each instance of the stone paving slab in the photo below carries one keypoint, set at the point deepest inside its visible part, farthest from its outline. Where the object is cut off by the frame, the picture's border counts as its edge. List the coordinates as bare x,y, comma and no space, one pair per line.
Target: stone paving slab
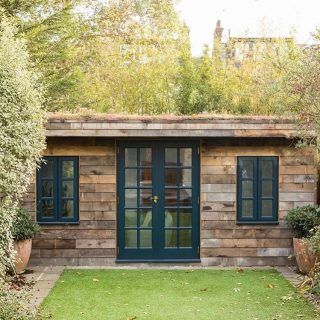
45,278
289,273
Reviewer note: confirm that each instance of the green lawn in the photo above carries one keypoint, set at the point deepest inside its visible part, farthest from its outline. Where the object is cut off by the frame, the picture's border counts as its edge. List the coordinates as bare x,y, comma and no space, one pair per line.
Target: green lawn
175,294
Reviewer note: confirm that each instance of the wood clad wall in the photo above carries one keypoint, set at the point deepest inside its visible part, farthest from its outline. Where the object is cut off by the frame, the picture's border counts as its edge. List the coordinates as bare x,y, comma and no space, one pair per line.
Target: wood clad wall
93,240
222,240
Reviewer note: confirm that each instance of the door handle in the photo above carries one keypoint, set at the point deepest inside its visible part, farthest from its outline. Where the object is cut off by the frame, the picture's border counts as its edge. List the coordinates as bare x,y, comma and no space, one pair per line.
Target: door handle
155,199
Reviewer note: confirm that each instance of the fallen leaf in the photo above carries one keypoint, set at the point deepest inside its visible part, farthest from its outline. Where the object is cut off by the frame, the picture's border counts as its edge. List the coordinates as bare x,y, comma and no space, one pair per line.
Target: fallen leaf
240,270
270,285
204,289
236,289
132,318
95,280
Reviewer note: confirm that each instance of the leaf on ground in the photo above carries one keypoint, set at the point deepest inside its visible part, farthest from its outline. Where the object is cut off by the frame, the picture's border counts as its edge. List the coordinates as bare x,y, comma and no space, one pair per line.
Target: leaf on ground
204,289
240,270
287,297
270,285
95,280
236,289
132,318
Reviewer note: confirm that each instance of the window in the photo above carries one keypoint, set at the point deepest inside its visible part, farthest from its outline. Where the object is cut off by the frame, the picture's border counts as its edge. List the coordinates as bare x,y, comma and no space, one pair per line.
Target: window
57,190
257,189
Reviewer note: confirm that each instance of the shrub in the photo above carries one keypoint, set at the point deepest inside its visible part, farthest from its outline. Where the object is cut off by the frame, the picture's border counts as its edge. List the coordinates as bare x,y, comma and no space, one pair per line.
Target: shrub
23,226
303,220
13,305
314,240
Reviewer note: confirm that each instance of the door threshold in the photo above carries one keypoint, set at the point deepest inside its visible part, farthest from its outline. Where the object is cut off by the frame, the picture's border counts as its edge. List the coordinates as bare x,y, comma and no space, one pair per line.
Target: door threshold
158,261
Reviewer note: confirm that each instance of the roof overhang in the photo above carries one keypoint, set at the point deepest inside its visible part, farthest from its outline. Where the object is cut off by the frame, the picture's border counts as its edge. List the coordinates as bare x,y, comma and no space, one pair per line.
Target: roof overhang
202,126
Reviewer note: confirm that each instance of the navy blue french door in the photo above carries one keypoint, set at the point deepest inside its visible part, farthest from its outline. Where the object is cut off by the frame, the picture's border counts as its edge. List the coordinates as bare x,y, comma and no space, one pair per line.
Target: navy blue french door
158,200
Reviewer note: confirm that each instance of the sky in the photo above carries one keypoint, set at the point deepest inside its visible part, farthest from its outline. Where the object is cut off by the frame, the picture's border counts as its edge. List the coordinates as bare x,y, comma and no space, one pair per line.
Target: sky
249,18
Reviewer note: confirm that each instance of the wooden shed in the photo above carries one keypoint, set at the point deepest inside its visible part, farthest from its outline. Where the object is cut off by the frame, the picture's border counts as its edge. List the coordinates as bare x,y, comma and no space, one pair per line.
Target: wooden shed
207,189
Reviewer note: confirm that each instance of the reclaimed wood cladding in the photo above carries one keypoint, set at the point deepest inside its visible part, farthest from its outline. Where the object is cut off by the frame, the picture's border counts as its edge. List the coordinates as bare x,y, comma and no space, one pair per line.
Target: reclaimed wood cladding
94,237
171,128
223,241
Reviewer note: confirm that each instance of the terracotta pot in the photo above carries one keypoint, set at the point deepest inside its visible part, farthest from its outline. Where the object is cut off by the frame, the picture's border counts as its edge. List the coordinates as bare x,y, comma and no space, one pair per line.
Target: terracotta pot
23,251
305,259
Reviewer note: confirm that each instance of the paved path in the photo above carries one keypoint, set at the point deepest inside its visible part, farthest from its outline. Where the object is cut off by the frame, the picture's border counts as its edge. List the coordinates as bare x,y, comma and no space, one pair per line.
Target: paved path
45,278
288,272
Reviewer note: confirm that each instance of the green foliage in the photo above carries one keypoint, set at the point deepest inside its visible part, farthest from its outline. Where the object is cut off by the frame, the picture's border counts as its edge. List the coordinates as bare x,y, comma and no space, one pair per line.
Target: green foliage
22,141
133,56
303,220
314,240
23,226
13,305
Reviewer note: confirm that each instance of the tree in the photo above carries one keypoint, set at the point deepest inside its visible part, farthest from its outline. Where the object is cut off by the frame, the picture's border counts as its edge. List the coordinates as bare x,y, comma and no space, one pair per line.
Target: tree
55,33
303,87
21,131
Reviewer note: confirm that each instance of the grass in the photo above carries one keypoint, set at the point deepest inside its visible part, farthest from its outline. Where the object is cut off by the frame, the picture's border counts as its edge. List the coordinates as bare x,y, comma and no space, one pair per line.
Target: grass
175,294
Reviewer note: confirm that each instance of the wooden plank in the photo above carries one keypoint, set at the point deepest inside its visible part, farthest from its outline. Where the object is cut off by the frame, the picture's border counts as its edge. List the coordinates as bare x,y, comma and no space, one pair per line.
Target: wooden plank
94,243
97,170
89,178
64,233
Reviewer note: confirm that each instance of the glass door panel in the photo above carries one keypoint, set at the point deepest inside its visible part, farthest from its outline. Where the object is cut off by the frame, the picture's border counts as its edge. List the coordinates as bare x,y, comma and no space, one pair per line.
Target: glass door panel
138,198
158,193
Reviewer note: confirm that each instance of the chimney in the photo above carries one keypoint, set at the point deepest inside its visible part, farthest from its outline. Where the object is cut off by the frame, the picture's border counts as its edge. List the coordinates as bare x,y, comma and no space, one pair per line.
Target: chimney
218,31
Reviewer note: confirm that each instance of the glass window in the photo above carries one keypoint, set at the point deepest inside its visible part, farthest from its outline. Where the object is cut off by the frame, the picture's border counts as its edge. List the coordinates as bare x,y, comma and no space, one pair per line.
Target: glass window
57,185
257,189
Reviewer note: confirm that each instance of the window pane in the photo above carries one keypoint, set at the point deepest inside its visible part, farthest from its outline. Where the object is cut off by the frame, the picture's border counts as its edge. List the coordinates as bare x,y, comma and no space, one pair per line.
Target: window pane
145,218
130,177
47,188
145,238
267,188
171,156
247,208
47,209
130,218
67,169
131,197
246,167
145,156
267,208
67,188
131,238
171,177
185,217
130,155
145,177
171,220
185,157
145,197
185,238
185,177
185,197
171,196
171,238
267,168
47,169
67,208
247,189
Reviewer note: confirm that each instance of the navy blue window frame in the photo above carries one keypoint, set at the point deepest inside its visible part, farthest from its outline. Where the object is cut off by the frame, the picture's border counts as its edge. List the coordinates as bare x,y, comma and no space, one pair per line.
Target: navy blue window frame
57,191
257,196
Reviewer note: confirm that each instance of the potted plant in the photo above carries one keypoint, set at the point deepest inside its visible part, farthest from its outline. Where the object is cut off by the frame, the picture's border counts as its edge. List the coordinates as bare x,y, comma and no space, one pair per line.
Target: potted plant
302,221
23,230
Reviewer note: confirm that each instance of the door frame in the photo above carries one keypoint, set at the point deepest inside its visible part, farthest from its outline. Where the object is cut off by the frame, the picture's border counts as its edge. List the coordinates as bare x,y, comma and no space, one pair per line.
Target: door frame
170,255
